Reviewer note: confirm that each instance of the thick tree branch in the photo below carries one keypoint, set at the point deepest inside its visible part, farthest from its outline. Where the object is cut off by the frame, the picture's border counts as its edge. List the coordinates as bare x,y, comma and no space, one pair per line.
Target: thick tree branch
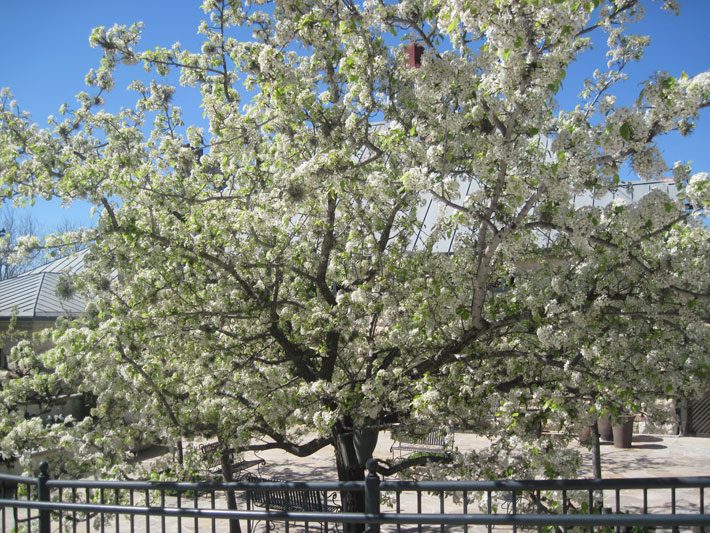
325,251
387,468
299,450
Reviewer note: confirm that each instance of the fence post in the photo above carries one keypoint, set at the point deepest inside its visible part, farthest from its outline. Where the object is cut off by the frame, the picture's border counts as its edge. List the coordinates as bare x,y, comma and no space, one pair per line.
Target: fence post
43,496
372,494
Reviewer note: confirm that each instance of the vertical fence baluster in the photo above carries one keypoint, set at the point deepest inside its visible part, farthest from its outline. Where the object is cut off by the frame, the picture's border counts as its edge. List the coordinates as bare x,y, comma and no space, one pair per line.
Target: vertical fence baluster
702,500
30,488
702,506
117,498
147,517
268,510
465,509
398,508
419,508
489,507
131,501
43,496
102,501
565,504
73,513
61,513
372,494
29,509
162,516
15,515
212,503
617,498
538,507
590,502
645,501
673,500
514,494
179,505
195,505
247,497
2,509
88,515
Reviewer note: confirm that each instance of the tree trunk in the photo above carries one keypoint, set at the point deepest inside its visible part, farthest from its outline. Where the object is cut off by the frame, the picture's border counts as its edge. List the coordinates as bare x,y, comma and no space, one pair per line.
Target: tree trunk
228,476
365,441
180,455
597,468
349,469
596,452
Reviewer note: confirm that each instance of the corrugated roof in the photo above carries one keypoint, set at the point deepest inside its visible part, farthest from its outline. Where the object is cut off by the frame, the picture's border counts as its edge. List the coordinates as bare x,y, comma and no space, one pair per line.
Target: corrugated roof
35,296
432,210
71,264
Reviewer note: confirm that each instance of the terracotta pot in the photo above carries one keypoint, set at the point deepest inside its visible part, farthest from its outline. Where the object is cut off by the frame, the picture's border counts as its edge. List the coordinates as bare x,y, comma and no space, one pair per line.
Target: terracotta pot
605,431
623,432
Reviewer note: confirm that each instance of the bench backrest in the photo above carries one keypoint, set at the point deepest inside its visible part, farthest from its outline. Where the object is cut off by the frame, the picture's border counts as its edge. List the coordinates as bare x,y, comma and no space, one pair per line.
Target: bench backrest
282,499
212,453
436,437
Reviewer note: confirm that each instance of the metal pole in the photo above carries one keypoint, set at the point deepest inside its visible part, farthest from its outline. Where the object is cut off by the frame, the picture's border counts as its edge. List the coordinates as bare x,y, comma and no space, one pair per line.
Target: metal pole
372,494
43,496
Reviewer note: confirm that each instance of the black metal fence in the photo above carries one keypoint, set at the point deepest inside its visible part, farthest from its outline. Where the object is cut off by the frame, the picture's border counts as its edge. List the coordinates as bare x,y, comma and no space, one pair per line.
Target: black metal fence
43,505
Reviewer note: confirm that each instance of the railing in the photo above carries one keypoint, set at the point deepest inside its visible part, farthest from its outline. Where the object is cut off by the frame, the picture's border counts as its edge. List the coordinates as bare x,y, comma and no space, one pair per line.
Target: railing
45,505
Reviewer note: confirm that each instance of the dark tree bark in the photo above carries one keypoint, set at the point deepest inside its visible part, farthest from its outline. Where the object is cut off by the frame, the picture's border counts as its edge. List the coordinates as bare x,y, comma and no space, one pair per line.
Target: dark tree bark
597,467
596,452
349,469
180,454
227,475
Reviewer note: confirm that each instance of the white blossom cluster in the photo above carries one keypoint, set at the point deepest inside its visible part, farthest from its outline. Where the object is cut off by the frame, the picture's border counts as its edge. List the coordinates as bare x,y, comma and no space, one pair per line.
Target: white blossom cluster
269,280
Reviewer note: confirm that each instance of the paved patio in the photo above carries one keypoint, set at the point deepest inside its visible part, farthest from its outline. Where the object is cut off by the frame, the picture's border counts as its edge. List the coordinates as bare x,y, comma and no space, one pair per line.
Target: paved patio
649,456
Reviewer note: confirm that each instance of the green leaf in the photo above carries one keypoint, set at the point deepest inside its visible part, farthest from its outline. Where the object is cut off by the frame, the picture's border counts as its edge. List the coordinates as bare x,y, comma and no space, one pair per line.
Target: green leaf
668,83
463,313
625,131
452,25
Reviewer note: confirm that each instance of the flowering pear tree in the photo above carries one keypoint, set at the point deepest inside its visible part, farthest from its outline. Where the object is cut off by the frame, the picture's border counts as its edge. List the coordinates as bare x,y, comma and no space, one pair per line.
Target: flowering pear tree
265,279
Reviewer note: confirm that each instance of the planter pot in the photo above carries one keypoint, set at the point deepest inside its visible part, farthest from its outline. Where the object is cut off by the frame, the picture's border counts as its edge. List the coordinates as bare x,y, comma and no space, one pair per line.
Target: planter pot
623,433
605,430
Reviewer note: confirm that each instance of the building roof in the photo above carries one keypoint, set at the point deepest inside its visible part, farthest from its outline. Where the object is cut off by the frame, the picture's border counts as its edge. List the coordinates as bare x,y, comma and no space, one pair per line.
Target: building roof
33,294
432,209
71,264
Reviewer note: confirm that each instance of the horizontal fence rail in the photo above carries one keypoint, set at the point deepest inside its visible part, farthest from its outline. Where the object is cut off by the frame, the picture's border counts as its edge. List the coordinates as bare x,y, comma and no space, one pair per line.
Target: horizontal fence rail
43,505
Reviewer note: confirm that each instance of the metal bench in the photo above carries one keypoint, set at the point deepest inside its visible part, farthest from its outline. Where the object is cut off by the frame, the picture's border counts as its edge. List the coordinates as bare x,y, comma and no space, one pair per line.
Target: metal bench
212,452
435,441
288,499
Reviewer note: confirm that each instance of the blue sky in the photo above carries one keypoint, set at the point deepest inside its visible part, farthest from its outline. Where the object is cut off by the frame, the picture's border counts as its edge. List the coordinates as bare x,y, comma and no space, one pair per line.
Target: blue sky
45,55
